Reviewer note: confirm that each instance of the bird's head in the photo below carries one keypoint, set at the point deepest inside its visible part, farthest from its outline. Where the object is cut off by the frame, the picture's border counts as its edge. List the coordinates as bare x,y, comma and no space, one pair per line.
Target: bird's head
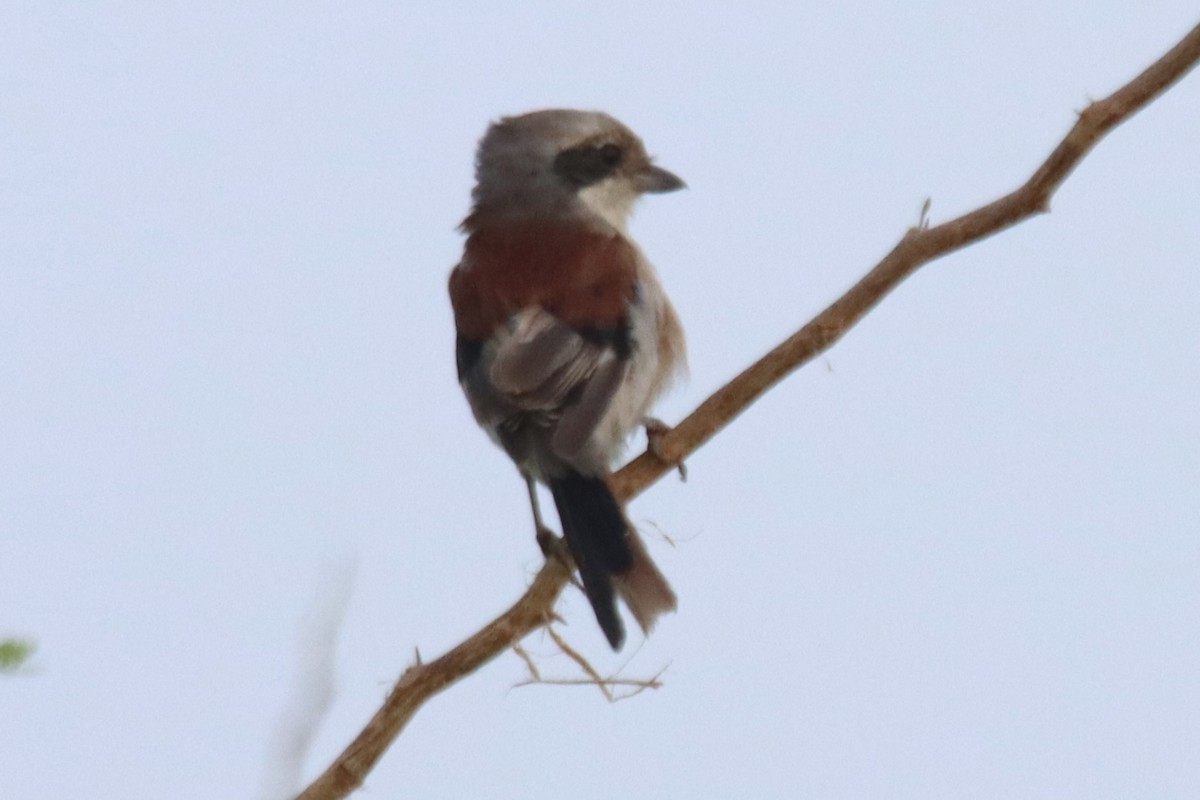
563,163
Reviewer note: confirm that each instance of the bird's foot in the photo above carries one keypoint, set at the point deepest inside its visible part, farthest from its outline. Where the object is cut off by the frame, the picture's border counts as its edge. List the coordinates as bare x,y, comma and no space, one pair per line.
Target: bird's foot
656,429
554,546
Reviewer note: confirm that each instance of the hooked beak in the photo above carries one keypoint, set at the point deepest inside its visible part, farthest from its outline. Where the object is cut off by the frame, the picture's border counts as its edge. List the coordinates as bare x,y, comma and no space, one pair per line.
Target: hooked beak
657,180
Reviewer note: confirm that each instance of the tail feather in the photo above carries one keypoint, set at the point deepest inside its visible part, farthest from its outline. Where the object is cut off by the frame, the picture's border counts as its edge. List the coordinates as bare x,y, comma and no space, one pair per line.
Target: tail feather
609,555
643,587
595,531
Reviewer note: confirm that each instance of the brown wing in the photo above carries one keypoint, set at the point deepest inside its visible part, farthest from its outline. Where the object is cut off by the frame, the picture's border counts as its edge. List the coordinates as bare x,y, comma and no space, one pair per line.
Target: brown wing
551,304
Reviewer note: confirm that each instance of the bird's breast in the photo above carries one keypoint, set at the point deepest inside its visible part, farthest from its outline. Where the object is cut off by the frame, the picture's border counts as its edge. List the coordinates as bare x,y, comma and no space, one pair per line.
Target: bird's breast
583,277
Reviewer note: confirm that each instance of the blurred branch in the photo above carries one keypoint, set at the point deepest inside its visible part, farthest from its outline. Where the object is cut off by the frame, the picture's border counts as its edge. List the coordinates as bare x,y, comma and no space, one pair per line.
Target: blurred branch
313,686
918,246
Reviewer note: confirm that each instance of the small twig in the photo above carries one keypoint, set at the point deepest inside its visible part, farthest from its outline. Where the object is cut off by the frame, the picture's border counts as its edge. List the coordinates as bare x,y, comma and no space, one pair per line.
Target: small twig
583,663
638,685
593,678
662,534
536,677
641,686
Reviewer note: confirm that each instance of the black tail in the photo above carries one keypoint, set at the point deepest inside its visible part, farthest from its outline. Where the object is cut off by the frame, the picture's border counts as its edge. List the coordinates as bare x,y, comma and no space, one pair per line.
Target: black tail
596,532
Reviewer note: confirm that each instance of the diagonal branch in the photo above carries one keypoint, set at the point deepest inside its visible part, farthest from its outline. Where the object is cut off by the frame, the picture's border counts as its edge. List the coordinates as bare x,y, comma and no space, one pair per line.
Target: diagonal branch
423,680
919,246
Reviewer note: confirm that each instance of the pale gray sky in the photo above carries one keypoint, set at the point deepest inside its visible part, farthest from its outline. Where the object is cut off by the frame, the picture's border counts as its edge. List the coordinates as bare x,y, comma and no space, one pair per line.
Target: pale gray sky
959,557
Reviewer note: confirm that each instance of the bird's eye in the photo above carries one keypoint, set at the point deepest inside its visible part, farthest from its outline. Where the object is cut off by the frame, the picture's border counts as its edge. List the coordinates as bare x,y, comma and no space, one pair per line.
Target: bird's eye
610,154
587,164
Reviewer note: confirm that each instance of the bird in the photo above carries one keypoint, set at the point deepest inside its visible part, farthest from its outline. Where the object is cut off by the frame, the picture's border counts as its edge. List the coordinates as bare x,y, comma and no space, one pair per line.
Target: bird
564,335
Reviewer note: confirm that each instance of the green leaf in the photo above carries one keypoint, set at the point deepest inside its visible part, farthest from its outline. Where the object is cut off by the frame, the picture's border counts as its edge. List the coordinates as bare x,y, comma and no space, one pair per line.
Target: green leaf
14,653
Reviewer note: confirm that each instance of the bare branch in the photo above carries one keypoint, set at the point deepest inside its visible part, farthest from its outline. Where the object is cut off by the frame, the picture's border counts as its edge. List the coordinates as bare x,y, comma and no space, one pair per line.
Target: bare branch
313,690
423,680
918,246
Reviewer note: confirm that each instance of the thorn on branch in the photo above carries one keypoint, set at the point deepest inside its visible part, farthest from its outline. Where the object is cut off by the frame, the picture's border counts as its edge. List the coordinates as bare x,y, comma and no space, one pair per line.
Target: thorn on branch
923,219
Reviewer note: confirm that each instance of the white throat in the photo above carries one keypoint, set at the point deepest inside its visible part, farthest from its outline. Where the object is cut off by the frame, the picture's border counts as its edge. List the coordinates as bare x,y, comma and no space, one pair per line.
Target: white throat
612,200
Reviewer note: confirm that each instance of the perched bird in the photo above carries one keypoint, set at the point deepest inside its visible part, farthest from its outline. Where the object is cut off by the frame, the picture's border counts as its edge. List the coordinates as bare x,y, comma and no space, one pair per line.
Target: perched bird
565,336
